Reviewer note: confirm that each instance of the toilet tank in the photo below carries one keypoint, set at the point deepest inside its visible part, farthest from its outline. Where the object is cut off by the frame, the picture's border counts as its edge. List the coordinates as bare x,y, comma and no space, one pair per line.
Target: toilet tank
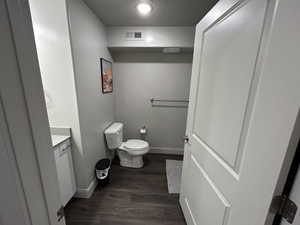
114,135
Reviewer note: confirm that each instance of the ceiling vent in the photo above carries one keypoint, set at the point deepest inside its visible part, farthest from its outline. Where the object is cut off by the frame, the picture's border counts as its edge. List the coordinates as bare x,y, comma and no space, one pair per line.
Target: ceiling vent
134,36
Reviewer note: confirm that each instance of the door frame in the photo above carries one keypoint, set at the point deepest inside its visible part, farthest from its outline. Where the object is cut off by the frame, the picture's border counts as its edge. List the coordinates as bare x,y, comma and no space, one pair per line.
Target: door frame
11,177
40,184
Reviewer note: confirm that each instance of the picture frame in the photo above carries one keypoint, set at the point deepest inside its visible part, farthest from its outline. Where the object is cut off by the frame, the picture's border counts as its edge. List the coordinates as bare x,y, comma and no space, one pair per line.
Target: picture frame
106,76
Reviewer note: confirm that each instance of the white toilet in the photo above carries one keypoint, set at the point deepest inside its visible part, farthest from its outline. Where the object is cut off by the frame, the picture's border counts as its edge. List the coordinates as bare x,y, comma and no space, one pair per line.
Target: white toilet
130,152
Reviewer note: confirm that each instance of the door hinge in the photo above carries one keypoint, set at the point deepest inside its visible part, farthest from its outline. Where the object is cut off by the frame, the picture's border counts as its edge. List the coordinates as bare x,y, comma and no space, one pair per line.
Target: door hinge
60,213
284,207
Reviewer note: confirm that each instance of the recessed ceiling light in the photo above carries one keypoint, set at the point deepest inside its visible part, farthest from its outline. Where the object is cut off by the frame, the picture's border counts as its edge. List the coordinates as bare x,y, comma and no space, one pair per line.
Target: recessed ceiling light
144,7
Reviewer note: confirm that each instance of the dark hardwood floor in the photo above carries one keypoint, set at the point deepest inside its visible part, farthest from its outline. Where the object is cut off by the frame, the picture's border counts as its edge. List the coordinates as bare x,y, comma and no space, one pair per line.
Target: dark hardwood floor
134,197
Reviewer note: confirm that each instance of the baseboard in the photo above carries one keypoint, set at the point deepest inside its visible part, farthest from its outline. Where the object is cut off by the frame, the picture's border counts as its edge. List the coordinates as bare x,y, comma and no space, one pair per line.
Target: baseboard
86,192
167,150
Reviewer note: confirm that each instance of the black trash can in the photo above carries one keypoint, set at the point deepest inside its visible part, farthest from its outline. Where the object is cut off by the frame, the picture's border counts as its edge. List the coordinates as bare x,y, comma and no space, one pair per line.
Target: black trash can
103,171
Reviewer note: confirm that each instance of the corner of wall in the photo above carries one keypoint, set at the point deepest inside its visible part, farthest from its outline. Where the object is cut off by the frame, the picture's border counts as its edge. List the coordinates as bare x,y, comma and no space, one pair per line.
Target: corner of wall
95,109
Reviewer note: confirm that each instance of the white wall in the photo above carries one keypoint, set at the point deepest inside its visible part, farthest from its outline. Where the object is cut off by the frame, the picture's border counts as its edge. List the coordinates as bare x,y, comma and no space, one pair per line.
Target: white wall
153,36
55,60
74,97
136,84
96,110
142,71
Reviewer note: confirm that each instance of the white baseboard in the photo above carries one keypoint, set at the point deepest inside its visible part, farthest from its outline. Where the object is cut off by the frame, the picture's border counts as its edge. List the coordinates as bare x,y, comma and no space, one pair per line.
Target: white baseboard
86,192
167,150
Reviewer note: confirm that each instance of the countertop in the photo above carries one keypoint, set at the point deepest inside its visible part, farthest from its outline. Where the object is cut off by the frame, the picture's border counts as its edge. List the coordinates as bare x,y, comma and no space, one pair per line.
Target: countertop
57,139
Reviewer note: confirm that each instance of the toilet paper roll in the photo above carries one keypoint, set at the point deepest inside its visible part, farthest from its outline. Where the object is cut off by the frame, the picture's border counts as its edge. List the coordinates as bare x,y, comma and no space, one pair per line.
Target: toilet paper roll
143,131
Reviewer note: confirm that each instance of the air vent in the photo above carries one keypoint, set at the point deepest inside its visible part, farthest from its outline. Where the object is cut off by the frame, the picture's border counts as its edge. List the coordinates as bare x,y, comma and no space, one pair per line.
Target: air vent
134,36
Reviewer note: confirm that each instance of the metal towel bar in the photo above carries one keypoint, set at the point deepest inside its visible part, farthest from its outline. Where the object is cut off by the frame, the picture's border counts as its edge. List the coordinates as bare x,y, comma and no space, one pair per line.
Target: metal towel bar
169,103
165,100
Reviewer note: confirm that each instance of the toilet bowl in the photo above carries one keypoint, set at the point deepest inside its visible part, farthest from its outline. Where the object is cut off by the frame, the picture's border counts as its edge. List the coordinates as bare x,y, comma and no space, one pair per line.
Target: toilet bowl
131,151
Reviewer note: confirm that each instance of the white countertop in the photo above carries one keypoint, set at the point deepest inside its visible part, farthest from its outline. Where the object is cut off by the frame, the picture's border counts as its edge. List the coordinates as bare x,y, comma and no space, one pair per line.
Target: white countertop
57,139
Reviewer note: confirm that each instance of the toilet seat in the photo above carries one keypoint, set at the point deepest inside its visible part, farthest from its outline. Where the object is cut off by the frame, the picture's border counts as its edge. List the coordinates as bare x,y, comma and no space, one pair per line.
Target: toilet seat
135,147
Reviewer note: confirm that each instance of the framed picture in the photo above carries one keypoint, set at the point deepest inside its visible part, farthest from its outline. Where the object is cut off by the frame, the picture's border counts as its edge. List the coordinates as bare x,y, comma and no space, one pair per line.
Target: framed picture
106,76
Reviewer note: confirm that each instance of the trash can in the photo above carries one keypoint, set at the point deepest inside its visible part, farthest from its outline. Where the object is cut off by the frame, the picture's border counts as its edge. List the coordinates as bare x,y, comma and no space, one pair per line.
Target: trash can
103,171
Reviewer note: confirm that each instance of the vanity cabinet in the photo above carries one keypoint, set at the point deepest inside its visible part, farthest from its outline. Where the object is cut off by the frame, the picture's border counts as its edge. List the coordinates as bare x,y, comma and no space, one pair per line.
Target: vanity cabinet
65,171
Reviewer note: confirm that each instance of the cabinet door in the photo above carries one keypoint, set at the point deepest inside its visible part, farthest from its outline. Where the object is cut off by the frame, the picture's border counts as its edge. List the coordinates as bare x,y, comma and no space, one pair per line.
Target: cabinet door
65,174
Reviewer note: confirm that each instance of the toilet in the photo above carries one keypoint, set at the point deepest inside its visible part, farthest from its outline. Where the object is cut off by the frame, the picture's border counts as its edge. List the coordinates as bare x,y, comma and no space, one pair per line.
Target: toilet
131,151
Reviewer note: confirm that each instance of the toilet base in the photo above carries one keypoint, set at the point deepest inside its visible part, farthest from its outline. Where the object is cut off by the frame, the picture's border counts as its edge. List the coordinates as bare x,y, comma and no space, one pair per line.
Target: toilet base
131,161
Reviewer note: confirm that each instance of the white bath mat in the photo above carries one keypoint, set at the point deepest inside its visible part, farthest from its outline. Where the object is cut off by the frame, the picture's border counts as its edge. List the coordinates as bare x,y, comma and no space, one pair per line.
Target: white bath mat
174,168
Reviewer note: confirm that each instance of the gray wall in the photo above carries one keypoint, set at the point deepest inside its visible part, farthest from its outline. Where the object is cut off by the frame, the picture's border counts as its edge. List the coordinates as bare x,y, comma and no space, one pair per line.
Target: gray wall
135,84
96,110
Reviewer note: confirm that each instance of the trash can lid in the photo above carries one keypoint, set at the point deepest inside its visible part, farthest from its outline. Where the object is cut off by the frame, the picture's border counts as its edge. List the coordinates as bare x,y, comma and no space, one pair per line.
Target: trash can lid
103,164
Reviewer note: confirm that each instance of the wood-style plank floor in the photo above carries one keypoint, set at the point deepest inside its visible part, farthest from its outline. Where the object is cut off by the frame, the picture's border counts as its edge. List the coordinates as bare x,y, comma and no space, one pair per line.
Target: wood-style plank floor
134,197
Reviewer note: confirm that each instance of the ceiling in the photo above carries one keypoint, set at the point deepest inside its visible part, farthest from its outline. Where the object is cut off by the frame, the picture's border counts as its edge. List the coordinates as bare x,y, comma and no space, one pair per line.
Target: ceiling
164,13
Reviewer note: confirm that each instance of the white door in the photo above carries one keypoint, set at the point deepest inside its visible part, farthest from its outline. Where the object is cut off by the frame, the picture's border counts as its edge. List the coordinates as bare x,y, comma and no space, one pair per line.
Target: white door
244,101
13,205
30,193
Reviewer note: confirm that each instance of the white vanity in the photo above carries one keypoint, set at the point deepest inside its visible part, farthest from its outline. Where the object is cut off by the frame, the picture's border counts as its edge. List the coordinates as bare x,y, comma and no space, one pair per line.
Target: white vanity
61,141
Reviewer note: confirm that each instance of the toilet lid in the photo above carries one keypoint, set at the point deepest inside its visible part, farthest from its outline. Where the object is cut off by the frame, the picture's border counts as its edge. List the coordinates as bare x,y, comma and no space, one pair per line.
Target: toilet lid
135,144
